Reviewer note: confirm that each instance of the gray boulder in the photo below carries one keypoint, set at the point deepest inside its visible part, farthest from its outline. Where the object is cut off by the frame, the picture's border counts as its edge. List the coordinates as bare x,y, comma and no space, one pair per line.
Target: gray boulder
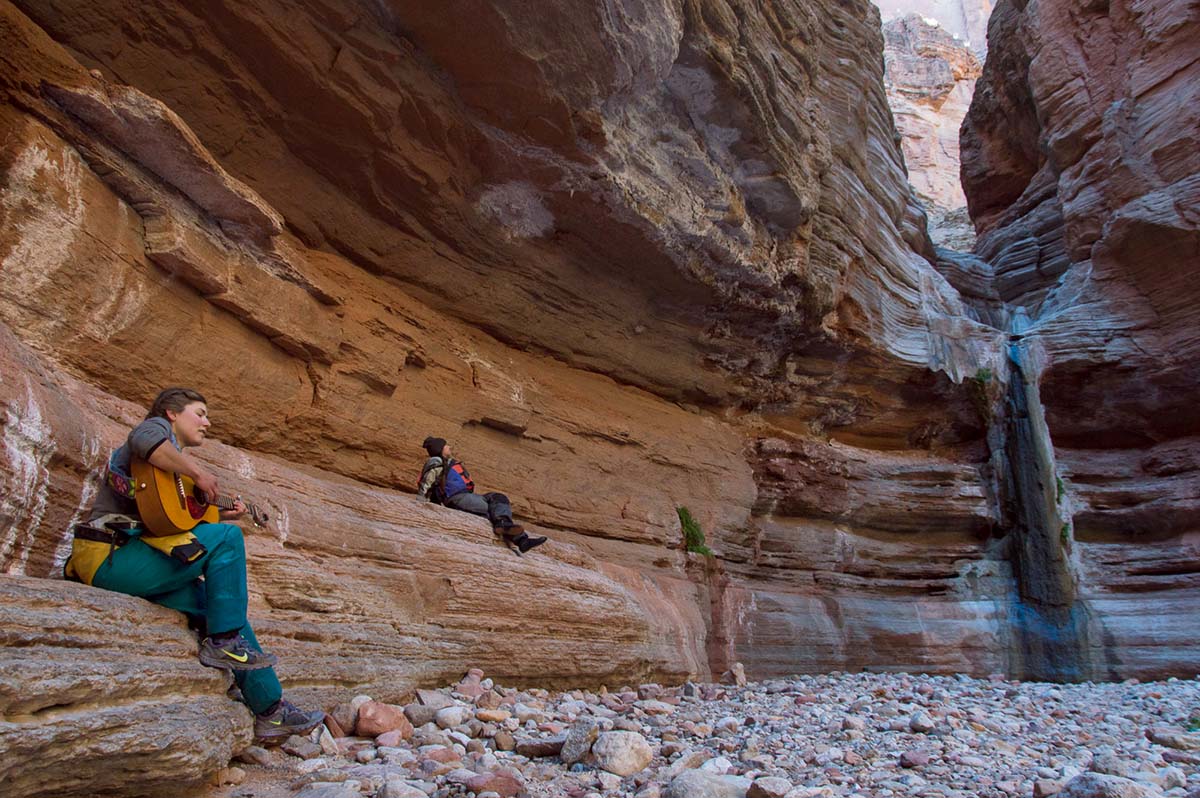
622,752
701,784
579,740
1101,785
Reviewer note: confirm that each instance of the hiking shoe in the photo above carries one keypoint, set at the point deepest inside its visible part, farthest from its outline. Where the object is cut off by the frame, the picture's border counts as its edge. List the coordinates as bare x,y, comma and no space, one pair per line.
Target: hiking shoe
508,532
526,542
234,654
285,720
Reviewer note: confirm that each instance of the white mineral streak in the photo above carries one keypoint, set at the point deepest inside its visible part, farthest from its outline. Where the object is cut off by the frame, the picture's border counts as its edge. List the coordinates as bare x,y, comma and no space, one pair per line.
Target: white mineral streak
48,229
28,446
518,207
282,521
92,454
244,466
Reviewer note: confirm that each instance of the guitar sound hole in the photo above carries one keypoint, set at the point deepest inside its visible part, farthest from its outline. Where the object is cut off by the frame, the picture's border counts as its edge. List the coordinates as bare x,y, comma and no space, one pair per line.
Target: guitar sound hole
195,508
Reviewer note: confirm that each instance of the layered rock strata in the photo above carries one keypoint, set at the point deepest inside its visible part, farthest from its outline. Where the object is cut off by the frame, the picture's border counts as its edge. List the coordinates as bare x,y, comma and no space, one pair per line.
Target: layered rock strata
965,20
1082,173
539,174
360,586
786,283
930,78
627,261
102,694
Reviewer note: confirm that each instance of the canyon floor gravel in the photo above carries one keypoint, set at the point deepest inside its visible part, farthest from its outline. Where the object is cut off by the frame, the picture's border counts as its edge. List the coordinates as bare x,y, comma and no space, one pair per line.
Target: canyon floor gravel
866,735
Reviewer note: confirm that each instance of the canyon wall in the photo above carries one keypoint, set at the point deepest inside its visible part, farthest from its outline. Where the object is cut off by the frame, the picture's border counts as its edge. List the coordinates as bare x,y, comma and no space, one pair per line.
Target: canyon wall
930,79
1082,171
604,326
965,20
627,260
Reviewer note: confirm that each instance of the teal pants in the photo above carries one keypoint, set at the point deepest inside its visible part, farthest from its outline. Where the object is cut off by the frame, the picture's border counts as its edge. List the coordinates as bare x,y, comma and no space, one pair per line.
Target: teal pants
218,600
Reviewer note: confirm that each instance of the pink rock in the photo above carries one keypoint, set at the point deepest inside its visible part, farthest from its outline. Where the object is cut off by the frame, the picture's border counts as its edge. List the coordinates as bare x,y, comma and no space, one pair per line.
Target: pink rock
431,768
615,704
375,718
392,739
502,782
489,700
334,727
470,684
648,691
442,755
914,759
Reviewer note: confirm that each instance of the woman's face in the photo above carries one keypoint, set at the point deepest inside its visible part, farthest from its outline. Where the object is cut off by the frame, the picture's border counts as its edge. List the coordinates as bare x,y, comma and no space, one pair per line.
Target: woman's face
190,423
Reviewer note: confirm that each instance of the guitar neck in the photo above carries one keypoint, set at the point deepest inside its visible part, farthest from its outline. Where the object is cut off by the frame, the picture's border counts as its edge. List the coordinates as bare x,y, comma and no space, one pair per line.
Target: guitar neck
258,516
226,503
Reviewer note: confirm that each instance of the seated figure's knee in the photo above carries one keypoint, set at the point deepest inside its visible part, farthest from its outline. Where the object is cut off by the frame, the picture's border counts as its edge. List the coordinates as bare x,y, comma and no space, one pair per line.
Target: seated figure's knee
213,536
233,537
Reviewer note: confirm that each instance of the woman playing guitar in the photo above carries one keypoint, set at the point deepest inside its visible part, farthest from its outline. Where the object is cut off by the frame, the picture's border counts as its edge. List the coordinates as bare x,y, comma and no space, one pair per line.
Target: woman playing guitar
115,551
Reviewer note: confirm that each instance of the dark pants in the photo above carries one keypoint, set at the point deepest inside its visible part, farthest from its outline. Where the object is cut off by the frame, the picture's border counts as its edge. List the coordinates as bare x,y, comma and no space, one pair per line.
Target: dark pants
493,506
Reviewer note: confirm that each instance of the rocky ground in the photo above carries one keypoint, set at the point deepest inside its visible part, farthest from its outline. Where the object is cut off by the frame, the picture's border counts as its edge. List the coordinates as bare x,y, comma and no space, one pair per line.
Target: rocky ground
867,735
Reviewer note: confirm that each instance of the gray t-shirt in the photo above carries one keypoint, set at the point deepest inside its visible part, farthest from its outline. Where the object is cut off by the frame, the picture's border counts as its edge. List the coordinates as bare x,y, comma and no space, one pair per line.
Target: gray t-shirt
142,441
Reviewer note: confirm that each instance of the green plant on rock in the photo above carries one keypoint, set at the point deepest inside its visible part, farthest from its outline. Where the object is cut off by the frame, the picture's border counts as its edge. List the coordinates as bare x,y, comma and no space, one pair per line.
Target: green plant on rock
1064,534
693,536
1060,491
1193,723
977,389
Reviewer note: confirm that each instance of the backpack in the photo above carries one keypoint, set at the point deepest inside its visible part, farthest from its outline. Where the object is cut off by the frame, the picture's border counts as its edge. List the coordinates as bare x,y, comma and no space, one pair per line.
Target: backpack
454,480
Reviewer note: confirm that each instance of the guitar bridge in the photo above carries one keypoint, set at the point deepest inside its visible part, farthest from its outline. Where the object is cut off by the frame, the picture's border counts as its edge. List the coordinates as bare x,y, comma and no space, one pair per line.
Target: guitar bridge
180,492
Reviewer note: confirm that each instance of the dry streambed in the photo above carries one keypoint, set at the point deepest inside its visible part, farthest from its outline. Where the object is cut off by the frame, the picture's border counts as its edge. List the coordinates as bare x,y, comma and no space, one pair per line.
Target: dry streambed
866,735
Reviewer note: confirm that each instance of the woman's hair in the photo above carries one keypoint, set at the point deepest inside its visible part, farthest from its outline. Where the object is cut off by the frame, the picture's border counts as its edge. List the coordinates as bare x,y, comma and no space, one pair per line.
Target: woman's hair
173,399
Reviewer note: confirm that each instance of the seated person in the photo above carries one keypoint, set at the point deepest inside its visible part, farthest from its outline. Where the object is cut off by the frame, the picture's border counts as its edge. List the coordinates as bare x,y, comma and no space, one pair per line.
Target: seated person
201,573
445,480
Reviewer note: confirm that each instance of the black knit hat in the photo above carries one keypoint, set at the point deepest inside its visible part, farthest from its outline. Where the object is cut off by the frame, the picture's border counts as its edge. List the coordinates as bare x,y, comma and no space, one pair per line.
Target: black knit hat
434,446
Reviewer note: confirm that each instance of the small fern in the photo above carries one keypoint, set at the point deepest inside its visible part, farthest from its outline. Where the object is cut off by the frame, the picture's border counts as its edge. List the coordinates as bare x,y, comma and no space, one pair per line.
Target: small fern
693,536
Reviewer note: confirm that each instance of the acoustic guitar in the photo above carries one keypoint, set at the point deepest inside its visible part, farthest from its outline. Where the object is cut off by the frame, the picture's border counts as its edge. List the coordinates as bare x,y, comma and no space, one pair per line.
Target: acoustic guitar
170,503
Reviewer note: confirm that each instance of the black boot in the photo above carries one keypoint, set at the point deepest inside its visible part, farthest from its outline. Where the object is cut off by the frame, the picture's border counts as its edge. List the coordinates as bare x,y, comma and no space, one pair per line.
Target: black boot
525,542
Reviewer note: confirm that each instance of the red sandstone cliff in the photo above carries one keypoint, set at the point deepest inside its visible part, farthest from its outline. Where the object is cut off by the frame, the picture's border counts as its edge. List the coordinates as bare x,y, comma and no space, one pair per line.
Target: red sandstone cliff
655,256
1082,170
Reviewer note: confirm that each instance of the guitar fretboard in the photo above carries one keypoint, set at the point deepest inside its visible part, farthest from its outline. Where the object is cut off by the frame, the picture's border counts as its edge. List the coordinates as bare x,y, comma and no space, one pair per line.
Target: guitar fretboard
224,502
